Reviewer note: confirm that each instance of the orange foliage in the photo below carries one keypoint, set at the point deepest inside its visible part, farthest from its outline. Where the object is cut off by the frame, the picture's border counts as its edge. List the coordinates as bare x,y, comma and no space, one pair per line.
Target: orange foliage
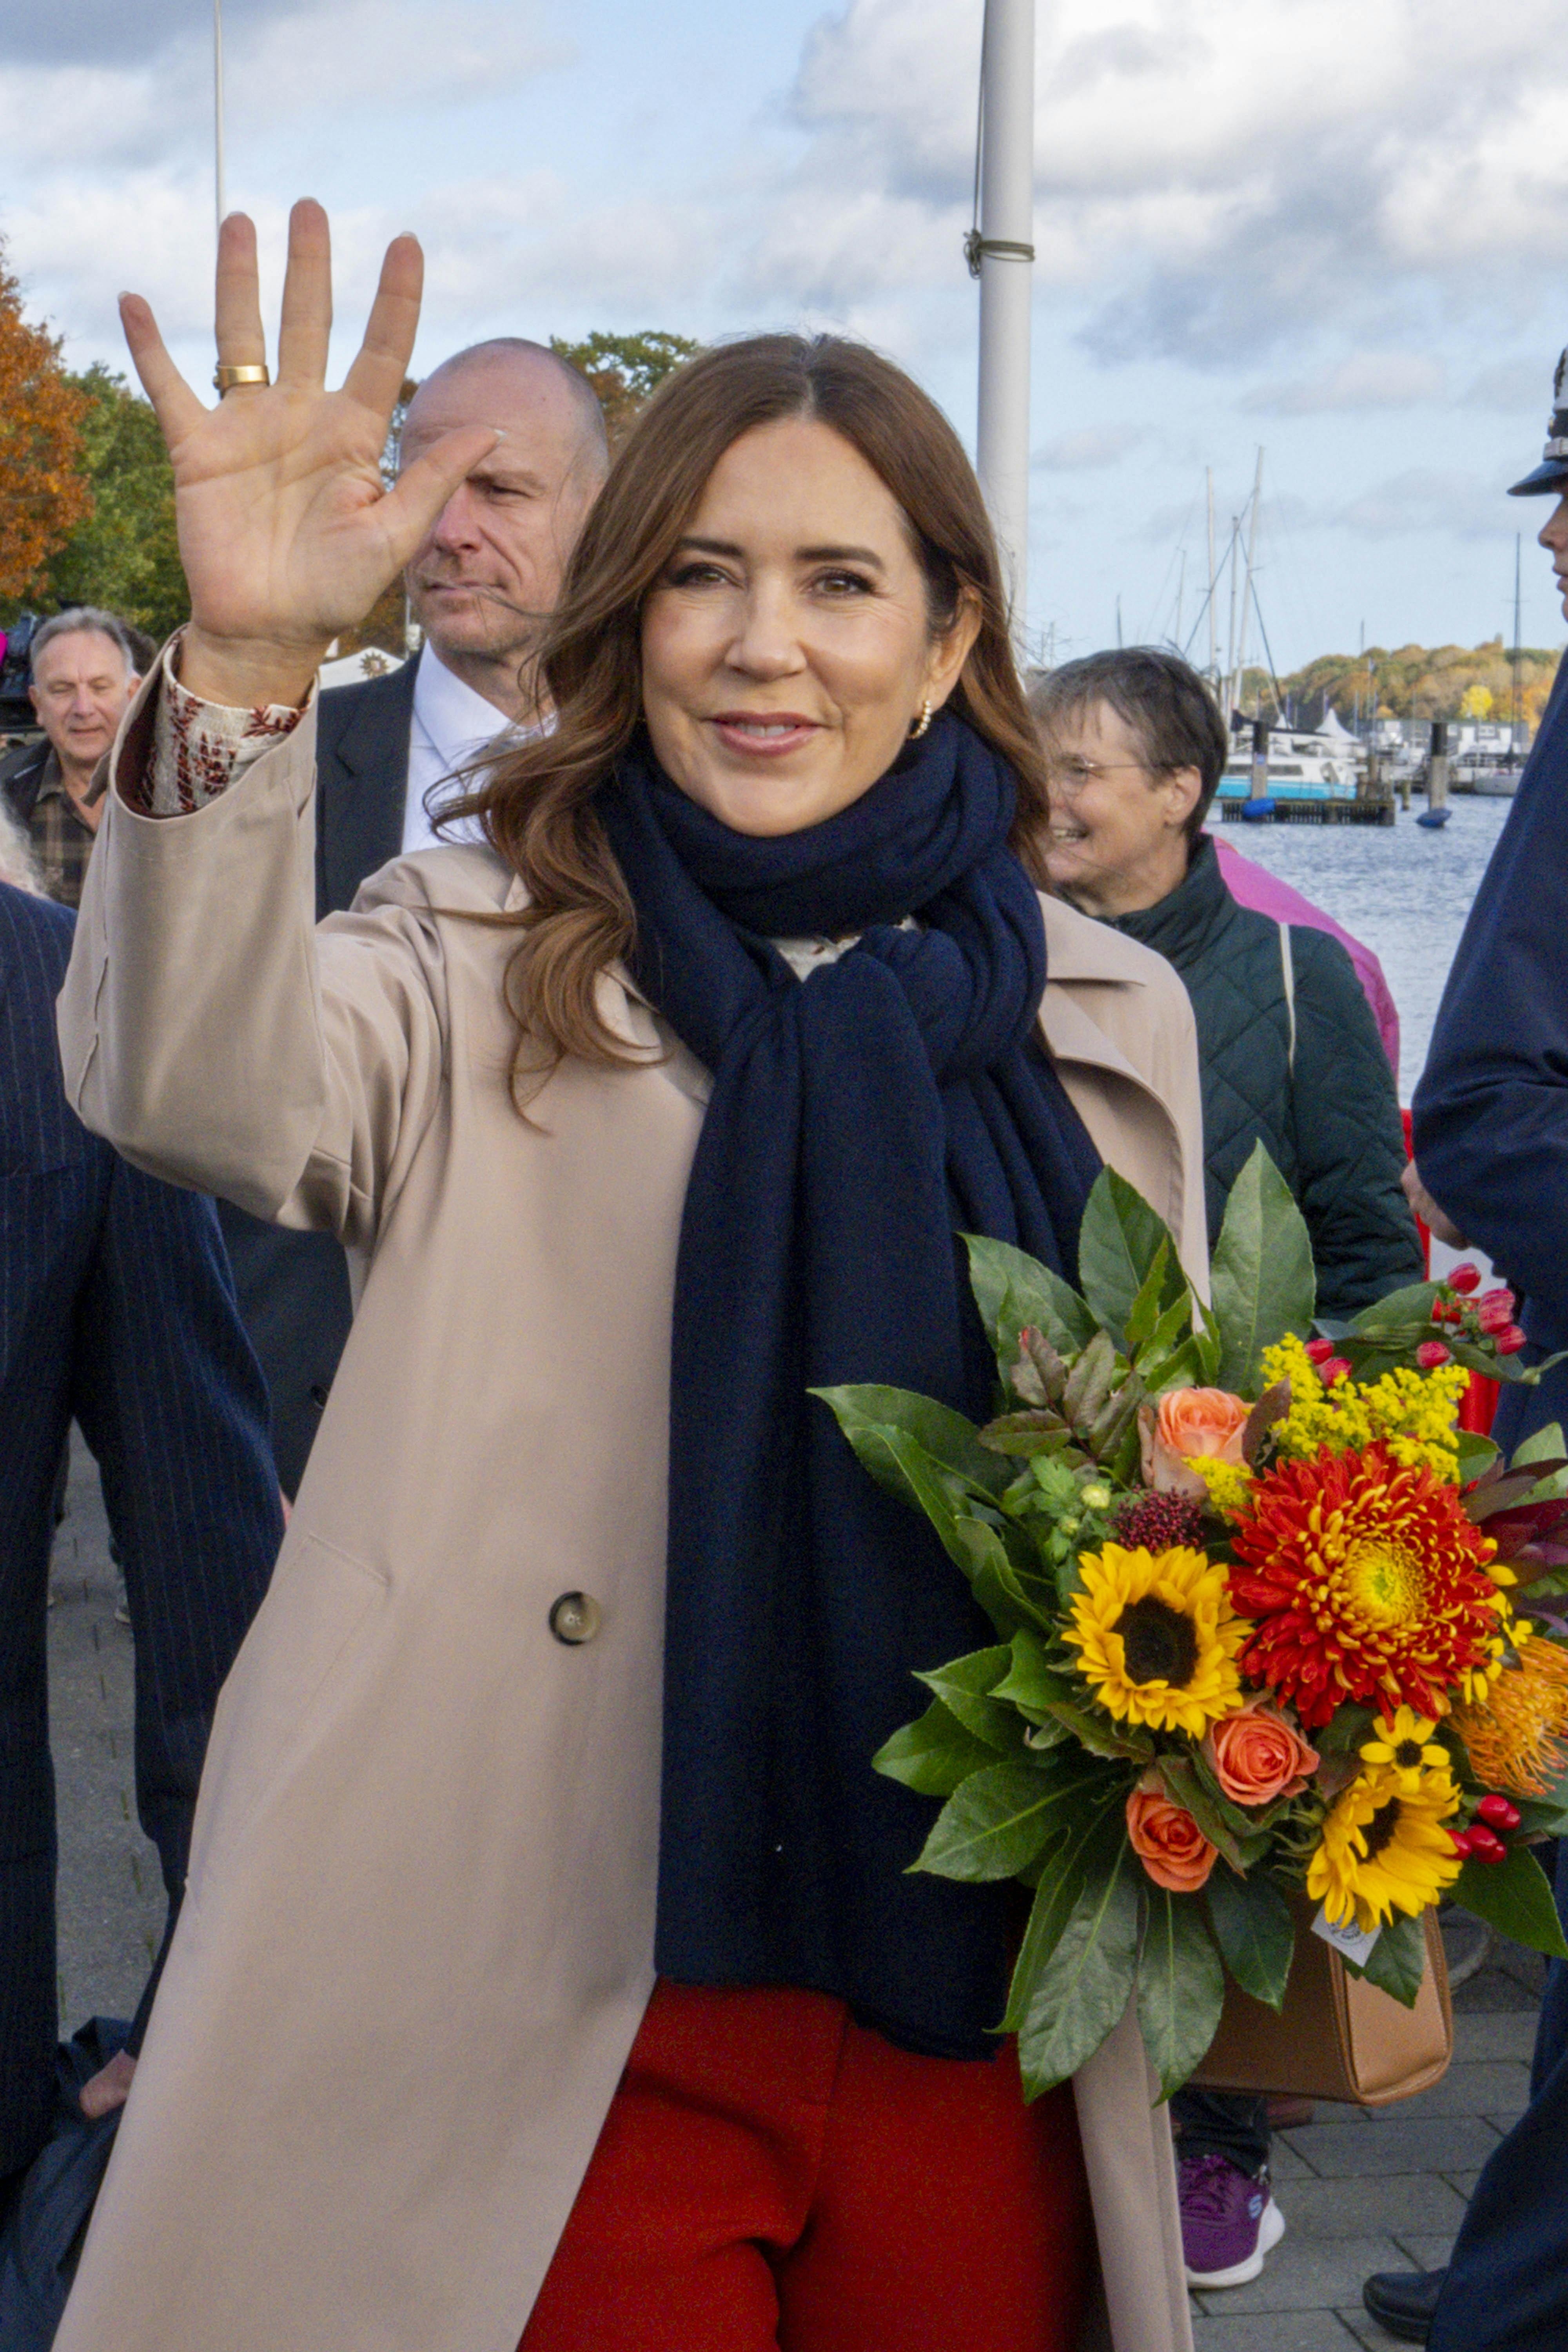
43,492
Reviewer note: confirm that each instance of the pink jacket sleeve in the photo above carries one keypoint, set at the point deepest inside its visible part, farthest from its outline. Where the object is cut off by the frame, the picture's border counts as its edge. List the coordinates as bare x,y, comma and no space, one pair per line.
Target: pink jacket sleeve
1252,885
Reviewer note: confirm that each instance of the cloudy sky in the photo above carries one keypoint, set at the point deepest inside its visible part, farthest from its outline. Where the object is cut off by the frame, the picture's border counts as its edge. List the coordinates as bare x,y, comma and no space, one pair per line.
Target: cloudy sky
1337,229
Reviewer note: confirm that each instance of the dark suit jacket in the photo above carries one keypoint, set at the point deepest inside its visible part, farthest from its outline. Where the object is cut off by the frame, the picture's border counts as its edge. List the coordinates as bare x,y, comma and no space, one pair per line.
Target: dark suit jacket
1491,1110
115,1307
294,1288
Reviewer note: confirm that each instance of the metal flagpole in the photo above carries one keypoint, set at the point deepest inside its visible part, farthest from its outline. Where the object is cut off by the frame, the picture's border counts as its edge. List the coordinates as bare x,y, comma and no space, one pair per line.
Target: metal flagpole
1001,253
218,110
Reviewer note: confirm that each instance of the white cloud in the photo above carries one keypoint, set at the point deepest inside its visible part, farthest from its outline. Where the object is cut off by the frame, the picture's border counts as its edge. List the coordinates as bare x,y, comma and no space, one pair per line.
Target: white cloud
1515,386
1219,177
1362,379
1089,446
1425,499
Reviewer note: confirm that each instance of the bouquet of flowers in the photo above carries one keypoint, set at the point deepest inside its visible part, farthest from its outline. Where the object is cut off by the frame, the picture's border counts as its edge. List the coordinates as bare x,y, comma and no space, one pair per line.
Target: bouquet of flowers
1259,1635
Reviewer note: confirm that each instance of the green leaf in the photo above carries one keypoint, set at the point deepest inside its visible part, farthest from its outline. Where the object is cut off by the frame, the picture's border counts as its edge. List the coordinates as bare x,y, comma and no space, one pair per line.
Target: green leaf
1008,1597
1181,1986
1144,1317
933,1754
1411,1306
950,1441
996,1823
1477,1454
1088,1383
1065,1875
1014,1291
1173,1337
1350,1727
1398,1961
1225,1825
1118,1242
1542,1445
1084,1987
964,1686
1032,1683
1490,1366
1516,1896
1261,1276
1023,1436
1255,1931
1101,1735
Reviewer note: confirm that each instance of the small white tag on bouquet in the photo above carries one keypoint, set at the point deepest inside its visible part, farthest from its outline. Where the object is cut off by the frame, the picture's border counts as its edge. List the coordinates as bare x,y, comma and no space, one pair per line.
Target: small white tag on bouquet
1353,1944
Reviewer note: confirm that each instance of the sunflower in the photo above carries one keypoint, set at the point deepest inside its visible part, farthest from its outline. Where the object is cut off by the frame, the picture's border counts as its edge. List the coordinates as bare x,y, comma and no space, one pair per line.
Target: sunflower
1515,1730
1408,1745
1384,1848
1366,1582
1157,1637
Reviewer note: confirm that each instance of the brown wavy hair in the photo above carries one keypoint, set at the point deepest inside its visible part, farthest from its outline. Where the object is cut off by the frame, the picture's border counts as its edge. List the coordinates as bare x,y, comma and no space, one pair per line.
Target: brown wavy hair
536,805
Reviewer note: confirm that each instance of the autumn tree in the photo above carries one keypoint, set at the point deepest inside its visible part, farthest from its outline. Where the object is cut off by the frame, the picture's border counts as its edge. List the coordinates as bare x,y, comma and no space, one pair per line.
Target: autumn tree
43,492
124,555
626,371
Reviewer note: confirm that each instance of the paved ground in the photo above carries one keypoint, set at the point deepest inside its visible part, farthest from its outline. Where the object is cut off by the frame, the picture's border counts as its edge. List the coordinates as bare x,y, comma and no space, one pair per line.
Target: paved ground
110,1901
1360,2191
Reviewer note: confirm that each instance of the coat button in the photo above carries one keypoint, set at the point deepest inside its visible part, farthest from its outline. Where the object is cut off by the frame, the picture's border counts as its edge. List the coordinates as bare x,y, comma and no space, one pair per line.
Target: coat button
575,1618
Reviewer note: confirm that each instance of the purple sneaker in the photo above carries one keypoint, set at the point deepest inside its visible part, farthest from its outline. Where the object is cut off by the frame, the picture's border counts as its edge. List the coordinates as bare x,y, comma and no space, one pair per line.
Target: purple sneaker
1229,2221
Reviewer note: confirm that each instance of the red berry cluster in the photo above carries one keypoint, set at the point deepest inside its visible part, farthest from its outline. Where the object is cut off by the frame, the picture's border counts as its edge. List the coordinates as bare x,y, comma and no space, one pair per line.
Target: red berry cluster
1330,1368
1490,1316
1157,1522
1481,1841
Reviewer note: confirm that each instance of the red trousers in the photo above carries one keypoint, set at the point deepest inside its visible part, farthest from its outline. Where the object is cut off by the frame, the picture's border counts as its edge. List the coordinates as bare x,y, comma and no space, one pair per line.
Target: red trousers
771,2175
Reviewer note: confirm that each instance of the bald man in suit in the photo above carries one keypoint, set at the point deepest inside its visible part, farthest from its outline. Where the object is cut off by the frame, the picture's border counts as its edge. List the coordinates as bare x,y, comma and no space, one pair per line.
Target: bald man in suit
482,583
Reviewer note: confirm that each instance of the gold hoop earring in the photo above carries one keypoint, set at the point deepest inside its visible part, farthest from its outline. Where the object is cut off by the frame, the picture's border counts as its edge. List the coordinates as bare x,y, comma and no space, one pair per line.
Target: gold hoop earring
922,722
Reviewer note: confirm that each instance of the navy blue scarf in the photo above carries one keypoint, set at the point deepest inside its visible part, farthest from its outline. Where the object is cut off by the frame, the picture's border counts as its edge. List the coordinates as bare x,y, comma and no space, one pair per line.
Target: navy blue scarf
859,1120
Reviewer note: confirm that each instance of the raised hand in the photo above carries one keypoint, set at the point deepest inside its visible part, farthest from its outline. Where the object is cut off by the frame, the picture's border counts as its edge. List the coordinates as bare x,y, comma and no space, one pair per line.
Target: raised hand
286,533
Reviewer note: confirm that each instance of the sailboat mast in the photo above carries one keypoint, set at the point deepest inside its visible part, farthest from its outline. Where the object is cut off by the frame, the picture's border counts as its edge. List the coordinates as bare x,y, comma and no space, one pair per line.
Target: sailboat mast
1230,640
1247,592
1213,584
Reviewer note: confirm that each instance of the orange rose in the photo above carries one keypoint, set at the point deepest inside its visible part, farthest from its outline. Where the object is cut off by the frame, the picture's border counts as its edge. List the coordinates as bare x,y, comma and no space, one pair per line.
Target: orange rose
1190,1421
1256,1756
1166,1839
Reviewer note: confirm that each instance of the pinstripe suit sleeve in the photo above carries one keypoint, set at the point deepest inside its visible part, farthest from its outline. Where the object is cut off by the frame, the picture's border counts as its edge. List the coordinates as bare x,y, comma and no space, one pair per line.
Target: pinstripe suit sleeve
171,1400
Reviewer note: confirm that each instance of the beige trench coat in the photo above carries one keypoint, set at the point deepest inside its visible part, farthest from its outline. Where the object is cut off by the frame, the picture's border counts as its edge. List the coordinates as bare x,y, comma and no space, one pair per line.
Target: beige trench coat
418,1938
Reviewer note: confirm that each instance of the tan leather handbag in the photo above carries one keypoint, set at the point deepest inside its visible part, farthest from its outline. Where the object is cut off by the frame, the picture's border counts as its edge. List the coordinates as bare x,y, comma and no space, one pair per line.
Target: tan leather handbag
1337,2037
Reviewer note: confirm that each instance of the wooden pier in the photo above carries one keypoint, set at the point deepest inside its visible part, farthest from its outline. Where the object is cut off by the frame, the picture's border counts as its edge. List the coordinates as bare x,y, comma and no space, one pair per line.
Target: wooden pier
1358,812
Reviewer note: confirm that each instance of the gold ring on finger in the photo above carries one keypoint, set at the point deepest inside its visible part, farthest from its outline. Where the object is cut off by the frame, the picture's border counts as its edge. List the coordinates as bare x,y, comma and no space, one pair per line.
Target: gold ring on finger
225,378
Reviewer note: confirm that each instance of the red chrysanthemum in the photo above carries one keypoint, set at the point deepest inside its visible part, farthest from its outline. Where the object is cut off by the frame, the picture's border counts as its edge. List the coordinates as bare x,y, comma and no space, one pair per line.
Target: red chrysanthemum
1367,1582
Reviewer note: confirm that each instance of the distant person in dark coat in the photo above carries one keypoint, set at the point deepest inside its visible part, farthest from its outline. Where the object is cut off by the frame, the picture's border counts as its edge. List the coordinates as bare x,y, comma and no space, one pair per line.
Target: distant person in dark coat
484,578
116,1307
1491,1144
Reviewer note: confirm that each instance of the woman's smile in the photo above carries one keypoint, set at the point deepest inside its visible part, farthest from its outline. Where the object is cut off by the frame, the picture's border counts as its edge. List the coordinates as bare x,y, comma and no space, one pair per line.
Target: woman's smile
765,734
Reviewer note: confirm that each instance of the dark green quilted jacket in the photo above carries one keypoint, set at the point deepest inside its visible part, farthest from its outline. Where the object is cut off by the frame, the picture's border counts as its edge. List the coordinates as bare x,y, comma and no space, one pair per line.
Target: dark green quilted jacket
1332,1129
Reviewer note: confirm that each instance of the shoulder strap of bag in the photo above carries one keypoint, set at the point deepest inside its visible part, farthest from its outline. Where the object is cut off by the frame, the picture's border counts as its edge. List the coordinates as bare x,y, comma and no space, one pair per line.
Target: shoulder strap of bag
1287,974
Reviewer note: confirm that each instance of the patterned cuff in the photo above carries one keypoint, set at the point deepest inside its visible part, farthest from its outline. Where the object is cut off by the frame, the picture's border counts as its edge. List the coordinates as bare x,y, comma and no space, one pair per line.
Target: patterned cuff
200,748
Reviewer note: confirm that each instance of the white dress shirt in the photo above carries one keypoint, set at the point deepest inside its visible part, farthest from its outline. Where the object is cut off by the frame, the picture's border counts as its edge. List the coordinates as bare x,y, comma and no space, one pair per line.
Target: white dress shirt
451,725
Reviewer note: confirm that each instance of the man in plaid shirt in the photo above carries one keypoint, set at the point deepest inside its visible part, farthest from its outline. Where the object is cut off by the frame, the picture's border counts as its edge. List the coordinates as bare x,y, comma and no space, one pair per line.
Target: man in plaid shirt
84,674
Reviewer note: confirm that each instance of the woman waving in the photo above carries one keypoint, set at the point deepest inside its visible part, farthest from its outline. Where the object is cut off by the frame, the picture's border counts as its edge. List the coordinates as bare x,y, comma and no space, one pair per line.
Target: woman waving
551,1961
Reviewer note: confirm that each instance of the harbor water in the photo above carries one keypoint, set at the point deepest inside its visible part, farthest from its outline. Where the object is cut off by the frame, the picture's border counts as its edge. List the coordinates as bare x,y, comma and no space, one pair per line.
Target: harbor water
1405,891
